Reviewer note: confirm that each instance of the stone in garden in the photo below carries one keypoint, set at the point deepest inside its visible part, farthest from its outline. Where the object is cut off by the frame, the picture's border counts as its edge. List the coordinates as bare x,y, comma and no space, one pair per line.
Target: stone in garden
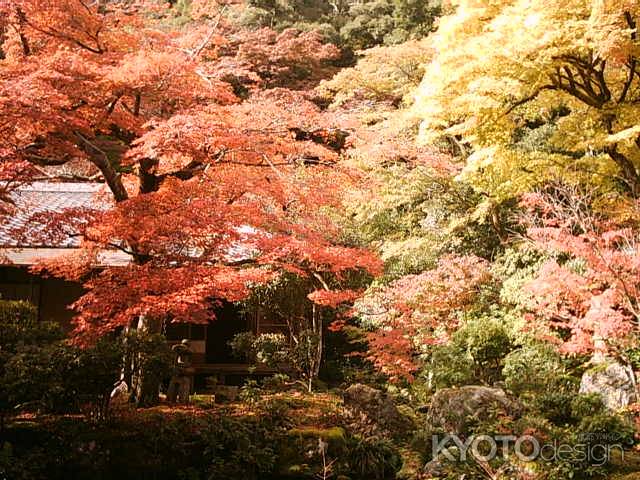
377,406
120,393
614,383
455,409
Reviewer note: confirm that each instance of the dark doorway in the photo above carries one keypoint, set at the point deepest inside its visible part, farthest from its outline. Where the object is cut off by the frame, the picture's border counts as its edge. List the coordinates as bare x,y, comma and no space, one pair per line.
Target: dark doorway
229,321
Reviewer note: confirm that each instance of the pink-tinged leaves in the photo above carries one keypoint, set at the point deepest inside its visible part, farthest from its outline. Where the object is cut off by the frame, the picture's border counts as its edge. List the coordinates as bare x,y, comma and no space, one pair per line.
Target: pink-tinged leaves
593,294
419,310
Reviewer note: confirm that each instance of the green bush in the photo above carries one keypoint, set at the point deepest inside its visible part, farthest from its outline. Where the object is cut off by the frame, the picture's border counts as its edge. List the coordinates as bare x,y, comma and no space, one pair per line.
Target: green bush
354,25
447,366
276,382
585,405
554,406
19,325
92,375
250,392
371,459
29,373
40,371
271,349
62,378
474,355
209,445
487,341
147,360
534,366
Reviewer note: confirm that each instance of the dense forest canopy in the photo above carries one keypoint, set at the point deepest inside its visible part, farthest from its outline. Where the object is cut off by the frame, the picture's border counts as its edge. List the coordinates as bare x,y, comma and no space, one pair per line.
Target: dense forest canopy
438,201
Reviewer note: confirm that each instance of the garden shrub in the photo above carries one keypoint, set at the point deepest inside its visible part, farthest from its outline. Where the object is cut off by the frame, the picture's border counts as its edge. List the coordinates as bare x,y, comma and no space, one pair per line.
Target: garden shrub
371,459
19,325
41,372
474,355
147,360
208,445
534,366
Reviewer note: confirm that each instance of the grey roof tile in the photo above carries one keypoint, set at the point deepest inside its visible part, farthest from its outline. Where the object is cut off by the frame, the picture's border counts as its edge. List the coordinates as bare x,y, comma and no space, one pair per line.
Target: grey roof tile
21,229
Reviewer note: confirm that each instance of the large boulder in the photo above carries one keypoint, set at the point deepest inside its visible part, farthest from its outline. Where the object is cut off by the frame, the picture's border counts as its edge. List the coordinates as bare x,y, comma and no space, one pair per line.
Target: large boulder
614,383
455,409
378,407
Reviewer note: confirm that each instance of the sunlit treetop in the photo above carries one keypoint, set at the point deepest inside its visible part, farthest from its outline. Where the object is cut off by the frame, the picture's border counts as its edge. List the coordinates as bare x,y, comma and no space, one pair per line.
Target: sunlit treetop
389,73
537,90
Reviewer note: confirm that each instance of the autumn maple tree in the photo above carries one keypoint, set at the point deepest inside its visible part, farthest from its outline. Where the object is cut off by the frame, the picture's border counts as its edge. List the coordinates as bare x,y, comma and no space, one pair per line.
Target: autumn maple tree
588,292
533,91
211,195
416,311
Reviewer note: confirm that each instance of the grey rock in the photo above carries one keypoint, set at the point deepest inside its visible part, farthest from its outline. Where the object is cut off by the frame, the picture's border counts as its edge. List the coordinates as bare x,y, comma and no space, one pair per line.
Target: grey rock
454,409
614,383
377,406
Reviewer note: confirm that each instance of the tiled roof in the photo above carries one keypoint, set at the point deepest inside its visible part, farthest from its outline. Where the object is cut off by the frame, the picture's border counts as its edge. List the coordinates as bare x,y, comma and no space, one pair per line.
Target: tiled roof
40,198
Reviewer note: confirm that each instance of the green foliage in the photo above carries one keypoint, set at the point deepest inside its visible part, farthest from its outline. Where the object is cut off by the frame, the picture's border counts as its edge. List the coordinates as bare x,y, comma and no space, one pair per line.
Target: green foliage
276,382
242,346
388,22
244,449
34,378
533,367
417,215
58,377
475,354
447,365
373,459
486,340
383,74
41,371
91,376
612,428
149,359
177,445
274,350
250,392
355,25
343,360
515,267
29,372
271,349
555,406
19,325
585,405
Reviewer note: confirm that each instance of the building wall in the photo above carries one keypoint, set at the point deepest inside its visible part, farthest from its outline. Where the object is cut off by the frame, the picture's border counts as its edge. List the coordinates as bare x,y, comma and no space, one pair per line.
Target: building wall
209,343
51,296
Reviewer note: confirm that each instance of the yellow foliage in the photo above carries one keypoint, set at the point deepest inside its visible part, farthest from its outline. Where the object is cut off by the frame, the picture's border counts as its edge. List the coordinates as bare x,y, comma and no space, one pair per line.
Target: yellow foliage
538,89
382,74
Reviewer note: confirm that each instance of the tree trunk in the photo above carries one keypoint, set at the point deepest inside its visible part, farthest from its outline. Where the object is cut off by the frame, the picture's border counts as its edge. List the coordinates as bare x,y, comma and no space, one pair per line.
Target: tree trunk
144,388
315,356
629,173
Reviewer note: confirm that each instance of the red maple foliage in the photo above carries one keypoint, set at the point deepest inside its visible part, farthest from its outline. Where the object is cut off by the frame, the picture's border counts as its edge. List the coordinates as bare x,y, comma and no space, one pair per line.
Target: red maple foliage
419,310
590,288
211,195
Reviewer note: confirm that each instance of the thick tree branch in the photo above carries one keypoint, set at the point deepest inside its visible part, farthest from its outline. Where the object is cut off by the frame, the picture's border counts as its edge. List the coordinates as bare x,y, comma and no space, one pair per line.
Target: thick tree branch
529,98
111,176
629,172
